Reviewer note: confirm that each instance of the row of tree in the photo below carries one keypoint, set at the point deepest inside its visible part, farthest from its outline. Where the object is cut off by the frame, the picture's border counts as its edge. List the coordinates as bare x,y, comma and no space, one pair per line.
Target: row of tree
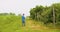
47,14
4,14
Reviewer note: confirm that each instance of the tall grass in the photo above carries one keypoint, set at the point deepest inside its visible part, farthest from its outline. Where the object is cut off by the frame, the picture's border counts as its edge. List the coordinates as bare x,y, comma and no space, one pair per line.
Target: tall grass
9,23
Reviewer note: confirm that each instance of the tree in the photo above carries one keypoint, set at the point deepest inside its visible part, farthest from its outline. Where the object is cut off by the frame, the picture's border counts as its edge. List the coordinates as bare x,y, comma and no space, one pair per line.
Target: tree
46,14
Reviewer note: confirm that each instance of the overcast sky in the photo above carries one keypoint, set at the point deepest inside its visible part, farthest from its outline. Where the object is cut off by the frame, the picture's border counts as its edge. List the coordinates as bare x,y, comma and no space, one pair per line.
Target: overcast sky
22,6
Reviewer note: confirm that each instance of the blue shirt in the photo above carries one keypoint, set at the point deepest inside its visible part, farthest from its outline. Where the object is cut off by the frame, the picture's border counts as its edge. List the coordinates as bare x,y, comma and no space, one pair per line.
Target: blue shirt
23,18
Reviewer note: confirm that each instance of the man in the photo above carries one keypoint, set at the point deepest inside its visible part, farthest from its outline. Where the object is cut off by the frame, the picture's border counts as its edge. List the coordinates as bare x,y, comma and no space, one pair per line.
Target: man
23,20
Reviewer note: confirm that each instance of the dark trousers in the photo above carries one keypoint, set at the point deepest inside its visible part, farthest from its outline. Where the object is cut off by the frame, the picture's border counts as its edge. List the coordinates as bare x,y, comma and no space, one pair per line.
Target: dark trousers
23,23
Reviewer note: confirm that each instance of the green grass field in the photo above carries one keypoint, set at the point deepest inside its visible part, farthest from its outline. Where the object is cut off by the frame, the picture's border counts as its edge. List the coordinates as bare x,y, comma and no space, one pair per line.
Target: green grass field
12,23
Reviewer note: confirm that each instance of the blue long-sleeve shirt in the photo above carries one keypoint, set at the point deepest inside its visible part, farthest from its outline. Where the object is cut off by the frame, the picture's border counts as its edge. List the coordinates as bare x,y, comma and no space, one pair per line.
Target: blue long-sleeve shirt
23,18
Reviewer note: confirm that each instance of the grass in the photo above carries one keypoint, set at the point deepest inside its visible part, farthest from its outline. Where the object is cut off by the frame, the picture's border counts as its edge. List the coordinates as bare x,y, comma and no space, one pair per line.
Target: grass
11,23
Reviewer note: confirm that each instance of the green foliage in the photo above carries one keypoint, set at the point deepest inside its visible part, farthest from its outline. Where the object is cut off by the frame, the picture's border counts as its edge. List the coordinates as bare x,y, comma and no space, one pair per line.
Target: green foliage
45,14
35,11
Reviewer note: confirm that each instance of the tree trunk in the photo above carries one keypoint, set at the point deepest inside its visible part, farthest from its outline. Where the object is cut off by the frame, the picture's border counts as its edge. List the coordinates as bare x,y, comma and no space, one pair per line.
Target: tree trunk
38,16
54,17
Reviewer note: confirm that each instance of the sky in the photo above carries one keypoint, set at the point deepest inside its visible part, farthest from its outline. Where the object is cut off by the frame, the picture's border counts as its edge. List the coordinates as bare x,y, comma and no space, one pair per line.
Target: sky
23,6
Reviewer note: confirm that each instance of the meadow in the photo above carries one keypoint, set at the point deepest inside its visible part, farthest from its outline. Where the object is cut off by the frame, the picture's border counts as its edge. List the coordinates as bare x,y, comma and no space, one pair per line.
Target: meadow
12,23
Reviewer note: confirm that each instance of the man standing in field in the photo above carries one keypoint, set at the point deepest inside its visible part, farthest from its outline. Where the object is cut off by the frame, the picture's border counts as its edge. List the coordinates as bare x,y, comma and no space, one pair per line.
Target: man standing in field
23,20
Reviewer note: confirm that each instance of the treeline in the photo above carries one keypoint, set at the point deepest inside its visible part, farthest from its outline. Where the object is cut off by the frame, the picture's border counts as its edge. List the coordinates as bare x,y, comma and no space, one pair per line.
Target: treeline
4,14
47,14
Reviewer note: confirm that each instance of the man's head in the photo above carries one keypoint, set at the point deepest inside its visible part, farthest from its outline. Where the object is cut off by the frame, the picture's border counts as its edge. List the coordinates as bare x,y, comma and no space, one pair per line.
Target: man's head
23,14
